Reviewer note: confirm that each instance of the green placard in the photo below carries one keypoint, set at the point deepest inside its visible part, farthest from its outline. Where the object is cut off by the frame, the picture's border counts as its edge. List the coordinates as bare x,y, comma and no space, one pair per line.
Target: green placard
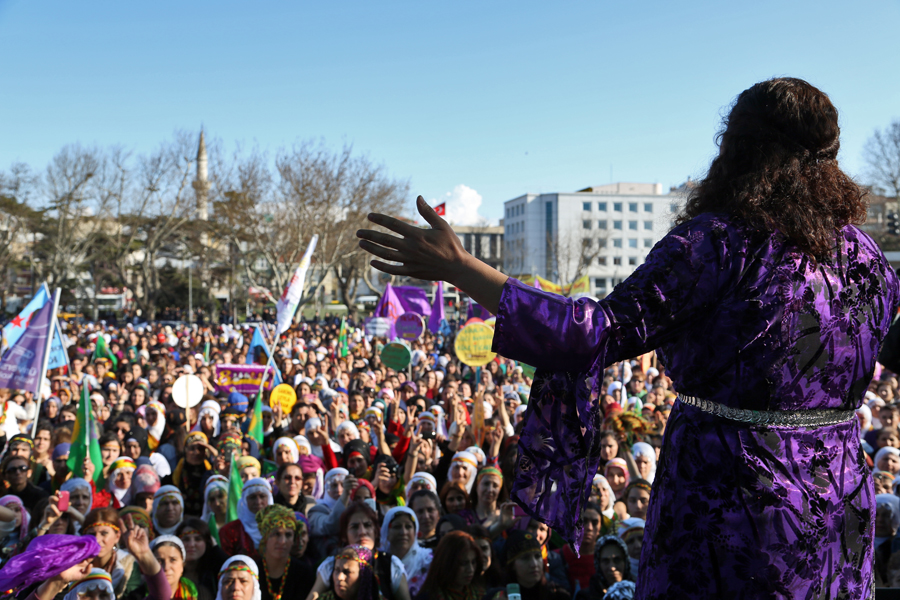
527,370
396,356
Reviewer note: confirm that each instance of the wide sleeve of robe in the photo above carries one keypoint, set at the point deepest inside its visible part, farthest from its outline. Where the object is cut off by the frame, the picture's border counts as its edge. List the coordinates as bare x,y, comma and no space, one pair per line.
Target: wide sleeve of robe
571,342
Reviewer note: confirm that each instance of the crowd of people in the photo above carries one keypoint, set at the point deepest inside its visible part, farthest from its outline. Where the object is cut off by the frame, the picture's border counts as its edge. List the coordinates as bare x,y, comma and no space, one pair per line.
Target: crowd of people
375,484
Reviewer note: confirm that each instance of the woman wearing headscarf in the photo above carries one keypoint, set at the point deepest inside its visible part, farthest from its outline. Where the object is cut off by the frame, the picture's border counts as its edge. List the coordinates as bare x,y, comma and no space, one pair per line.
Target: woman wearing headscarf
353,576
611,566
887,522
13,531
487,496
313,475
168,509
325,516
282,574
616,473
156,423
463,469
215,501
239,579
645,460
399,536
192,470
603,496
421,481
144,484
169,551
203,558
242,535
81,496
208,419
285,450
120,473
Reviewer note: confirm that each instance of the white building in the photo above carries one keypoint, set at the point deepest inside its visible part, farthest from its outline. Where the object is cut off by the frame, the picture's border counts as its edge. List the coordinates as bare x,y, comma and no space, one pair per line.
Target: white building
610,229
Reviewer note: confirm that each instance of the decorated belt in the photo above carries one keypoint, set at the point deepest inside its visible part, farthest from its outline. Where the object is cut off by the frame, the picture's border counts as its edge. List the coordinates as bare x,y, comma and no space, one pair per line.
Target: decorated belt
773,418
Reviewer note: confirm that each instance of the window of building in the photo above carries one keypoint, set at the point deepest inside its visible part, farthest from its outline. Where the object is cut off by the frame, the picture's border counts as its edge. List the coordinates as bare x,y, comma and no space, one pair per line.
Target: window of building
648,243
632,225
586,243
617,260
648,225
632,206
600,282
601,243
632,260
617,225
585,224
601,260
632,242
601,206
648,207
601,224
586,205
617,206
617,243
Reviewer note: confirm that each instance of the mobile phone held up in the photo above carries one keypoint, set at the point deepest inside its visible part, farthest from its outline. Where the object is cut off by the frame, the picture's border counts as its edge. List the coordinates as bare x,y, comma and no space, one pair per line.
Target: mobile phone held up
63,504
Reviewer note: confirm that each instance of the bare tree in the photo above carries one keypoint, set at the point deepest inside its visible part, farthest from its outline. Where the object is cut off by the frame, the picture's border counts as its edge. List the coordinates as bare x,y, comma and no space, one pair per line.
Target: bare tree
882,156
17,220
574,251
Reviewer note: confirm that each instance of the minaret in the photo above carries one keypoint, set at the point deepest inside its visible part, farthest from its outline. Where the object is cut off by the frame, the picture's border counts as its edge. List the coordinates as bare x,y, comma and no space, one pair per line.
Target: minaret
201,183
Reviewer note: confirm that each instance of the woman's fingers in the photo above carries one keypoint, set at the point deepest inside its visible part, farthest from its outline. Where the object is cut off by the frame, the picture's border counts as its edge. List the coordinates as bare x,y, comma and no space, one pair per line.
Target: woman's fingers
391,269
429,215
381,251
395,225
382,239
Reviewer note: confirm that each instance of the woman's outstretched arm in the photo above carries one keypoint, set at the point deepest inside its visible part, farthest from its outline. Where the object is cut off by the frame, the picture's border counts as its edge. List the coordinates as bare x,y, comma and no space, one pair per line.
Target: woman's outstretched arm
434,254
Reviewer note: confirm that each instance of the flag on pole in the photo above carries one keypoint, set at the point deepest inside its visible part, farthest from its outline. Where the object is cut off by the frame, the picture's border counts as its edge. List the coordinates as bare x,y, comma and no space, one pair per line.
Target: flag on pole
85,440
437,309
389,307
290,298
206,353
258,344
235,487
101,350
477,311
441,209
213,528
255,430
343,344
22,367
15,328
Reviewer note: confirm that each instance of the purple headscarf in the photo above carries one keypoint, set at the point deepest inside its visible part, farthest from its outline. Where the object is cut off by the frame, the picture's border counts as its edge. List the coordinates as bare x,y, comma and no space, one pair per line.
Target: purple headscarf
47,556
26,516
313,464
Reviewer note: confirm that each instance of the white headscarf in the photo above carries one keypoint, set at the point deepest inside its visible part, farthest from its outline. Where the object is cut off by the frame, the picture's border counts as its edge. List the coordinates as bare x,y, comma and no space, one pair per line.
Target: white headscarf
98,579
421,476
303,442
241,558
439,419
471,461
247,518
209,410
163,492
123,496
171,539
479,454
215,482
292,446
600,480
348,424
76,483
893,503
157,429
885,452
866,413
417,559
337,472
645,449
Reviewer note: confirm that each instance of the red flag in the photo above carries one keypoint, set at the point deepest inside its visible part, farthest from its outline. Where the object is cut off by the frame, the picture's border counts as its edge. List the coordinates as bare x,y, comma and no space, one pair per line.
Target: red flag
441,209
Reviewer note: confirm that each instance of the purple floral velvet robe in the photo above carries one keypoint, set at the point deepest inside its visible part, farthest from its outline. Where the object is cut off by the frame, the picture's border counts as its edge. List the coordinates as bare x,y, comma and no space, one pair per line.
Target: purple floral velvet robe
743,319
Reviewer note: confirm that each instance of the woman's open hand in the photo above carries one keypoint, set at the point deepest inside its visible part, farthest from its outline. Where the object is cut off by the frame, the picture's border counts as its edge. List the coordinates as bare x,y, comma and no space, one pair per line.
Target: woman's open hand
433,254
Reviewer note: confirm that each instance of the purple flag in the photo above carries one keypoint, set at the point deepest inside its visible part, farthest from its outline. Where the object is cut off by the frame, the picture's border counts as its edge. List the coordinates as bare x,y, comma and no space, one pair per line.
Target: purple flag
390,308
477,311
437,309
413,299
21,368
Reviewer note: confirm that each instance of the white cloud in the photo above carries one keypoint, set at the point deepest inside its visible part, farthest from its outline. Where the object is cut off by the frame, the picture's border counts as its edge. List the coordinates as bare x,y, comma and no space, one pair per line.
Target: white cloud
462,206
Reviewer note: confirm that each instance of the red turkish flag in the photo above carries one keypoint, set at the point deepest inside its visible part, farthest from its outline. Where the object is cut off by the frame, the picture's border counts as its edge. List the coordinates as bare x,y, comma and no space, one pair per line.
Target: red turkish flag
441,209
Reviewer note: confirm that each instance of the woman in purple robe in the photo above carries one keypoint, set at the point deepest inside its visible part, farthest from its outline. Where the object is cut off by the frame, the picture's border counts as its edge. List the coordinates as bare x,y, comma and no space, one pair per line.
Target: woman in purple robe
768,306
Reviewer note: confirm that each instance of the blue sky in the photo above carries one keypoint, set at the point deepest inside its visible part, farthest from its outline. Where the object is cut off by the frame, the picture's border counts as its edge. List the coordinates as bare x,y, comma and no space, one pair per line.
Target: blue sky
467,100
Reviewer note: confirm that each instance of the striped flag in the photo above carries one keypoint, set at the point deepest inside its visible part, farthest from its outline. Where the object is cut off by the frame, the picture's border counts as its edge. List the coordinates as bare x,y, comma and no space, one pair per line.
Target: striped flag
85,439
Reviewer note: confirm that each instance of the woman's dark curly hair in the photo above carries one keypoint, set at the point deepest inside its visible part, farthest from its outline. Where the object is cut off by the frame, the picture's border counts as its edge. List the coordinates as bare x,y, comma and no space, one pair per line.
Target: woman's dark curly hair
777,168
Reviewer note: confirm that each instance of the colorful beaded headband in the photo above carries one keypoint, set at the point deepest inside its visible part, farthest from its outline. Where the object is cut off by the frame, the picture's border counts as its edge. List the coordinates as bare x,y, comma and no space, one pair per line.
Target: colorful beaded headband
238,566
103,524
351,555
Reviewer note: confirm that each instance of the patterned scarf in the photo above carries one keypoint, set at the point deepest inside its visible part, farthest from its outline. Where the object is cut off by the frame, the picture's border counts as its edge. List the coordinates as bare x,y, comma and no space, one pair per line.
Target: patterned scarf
186,590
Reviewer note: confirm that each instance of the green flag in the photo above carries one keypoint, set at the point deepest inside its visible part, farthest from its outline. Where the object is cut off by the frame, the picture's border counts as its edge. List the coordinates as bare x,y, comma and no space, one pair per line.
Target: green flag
255,429
343,345
85,439
101,350
206,352
214,528
235,486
